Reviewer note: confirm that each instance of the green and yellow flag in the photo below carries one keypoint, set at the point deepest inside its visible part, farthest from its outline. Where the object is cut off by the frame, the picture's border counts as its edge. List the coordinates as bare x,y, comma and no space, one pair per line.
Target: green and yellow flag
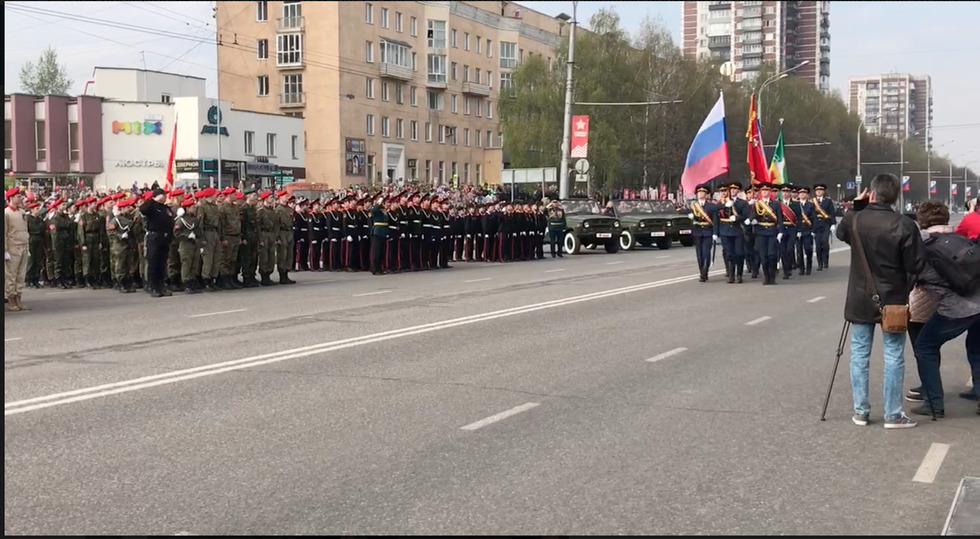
777,169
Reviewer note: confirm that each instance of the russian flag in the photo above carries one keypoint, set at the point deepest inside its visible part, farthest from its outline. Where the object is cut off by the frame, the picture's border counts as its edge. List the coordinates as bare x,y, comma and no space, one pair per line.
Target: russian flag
906,184
952,189
708,157
932,187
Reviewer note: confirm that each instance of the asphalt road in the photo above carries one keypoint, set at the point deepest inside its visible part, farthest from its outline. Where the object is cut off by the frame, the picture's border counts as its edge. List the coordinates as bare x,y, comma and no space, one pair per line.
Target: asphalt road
597,394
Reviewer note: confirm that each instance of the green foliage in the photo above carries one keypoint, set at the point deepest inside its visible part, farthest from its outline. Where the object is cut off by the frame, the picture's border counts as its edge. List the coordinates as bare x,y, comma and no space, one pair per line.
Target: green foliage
46,77
613,67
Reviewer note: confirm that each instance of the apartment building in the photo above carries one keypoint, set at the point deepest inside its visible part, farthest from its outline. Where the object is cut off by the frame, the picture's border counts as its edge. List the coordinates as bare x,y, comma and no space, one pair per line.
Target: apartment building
751,34
391,91
895,105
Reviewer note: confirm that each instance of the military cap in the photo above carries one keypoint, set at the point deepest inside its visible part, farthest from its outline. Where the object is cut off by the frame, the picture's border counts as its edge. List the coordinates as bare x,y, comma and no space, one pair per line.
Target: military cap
282,193
820,186
763,185
33,205
703,188
176,193
239,195
802,189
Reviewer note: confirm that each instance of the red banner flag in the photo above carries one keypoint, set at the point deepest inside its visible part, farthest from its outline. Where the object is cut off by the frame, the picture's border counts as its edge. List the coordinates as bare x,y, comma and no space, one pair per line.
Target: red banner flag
580,137
758,169
170,161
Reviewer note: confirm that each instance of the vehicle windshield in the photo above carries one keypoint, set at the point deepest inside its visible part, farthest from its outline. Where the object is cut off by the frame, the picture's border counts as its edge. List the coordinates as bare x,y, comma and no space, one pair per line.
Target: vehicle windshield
645,207
580,207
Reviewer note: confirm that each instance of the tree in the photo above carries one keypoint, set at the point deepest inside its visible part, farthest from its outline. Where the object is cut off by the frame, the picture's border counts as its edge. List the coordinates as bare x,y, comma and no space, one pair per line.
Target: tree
46,77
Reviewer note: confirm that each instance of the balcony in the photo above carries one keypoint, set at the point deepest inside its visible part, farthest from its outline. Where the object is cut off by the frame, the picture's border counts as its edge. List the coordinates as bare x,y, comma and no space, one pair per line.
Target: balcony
719,42
718,6
436,81
395,71
477,89
752,24
755,37
290,24
754,54
293,99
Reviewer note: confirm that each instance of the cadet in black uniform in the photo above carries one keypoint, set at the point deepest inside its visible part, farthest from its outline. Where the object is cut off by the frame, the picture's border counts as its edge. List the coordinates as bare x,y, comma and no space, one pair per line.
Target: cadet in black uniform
159,234
379,236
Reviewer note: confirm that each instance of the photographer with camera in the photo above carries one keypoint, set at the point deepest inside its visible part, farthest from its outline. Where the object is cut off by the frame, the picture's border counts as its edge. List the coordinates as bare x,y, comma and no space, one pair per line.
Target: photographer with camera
886,251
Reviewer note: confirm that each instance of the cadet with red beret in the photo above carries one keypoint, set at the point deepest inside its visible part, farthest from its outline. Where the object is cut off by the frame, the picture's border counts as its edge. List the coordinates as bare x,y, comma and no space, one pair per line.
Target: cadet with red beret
284,239
268,225
37,231
59,230
186,229
123,248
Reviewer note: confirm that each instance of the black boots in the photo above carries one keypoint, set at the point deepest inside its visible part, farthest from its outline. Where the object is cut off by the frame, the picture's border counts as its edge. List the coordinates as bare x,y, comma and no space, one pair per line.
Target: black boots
266,281
284,278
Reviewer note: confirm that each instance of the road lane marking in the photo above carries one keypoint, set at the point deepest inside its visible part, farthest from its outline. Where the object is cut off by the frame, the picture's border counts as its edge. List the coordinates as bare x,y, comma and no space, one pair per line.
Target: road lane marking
13,339
816,299
379,292
478,280
554,270
930,463
501,416
758,320
145,382
614,263
663,256
217,313
60,292
666,355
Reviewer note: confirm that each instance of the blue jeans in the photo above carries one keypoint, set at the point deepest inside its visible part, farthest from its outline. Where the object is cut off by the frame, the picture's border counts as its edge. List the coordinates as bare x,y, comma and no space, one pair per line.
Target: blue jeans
862,335
937,331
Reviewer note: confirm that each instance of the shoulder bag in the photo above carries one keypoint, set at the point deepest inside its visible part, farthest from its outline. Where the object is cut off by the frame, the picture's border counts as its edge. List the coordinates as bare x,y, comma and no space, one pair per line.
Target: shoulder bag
894,318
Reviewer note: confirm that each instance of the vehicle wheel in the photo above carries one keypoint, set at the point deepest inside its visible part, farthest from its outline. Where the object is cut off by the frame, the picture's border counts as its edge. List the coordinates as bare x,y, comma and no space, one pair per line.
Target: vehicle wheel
612,247
626,241
687,242
663,244
571,244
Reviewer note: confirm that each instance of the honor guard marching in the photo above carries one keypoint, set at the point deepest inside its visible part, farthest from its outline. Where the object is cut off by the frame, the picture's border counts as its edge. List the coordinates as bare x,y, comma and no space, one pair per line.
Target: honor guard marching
824,224
804,235
787,245
703,230
767,216
728,223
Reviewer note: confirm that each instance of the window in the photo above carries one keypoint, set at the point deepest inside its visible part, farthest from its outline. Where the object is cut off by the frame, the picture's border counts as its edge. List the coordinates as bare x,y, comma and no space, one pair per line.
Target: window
294,146
508,54
289,51
437,68
166,98
479,107
8,145
261,11
270,144
452,39
399,128
250,143
384,17
414,127
442,170
428,169
399,98
368,52
415,61
466,41
466,74
385,124
453,103
452,71
398,21
370,124
477,78
72,141
369,88
479,176
369,13
433,100
436,34
40,146
490,79
385,92
466,136
489,48
479,45
262,49
413,26
413,96
466,105
292,88
428,132
489,110
489,143
442,134
262,85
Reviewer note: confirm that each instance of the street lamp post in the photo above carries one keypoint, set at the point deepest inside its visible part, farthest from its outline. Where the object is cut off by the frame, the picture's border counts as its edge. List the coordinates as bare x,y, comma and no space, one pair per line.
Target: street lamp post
566,143
778,76
838,192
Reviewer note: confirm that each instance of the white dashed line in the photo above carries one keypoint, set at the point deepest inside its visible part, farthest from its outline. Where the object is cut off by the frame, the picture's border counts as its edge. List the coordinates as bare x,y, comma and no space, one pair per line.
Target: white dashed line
816,299
13,339
758,321
666,355
555,270
930,463
379,292
217,313
478,280
663,256
614,263
60,292
501,416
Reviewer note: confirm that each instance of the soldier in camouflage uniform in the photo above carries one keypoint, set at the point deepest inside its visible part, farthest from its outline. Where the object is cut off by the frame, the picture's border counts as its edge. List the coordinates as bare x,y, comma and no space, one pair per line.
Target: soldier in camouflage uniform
139,228
231,238
90,244
186,227
210,239
173,257
123,245
248,254
268,225
105,253
77,263
284,243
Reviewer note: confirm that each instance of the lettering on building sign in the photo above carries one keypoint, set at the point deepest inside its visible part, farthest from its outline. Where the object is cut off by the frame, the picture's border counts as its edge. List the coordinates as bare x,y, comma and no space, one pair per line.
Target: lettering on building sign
147,127
214,118
139,163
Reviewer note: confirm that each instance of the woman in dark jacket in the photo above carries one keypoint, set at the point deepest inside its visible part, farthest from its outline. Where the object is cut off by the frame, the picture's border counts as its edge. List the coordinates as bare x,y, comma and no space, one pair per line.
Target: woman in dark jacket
893,247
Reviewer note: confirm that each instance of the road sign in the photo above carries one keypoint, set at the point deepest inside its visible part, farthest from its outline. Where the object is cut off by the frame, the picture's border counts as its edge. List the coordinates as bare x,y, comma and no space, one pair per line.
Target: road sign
851,185
857,179
582,166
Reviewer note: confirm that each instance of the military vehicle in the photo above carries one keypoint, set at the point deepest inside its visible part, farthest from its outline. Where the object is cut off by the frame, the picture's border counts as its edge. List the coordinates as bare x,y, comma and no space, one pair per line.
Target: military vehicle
652,222
588,227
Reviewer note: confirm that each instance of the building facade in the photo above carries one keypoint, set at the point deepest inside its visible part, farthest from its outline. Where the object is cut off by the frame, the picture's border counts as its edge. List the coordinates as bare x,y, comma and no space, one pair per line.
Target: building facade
751,34
391,91
895,105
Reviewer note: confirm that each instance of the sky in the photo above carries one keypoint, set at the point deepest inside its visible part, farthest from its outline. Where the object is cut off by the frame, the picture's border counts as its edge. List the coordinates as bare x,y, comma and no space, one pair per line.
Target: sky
924,38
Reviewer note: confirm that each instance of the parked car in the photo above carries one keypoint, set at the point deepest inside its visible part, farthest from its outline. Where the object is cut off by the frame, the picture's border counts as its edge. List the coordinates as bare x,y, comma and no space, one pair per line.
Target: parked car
652,222
588,227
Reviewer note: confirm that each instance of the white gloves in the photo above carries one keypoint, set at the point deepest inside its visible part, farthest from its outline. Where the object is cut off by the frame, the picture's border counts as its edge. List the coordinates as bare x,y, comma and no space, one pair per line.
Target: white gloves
754,222
350,238
799,234
729,204
115,211
180,212
124,235
191,236
748,222
833,228
779,237
715,237
690,216
6,255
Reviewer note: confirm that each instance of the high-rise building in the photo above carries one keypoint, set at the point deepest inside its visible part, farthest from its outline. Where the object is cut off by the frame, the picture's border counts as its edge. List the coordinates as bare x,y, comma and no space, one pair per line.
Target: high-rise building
750,34
390,90
895,105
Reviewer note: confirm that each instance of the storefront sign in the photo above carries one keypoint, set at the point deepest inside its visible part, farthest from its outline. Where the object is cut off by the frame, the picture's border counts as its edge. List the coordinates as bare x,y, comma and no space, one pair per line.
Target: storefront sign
147,127
139,163
185,166
355,157
261,169
214,118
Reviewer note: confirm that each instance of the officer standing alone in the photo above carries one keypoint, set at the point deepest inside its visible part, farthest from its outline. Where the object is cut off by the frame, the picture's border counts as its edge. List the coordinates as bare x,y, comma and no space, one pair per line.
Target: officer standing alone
557,224
159,234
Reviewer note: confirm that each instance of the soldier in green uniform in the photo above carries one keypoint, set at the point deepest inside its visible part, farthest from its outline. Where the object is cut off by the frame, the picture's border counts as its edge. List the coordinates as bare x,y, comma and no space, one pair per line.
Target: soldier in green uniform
59,230
123,245
379,236
36,233
231,238
90,243
210,239
174,199
248,254
284,238
105,253
557,224
139,229
268,225
77,263
186,227
50,277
